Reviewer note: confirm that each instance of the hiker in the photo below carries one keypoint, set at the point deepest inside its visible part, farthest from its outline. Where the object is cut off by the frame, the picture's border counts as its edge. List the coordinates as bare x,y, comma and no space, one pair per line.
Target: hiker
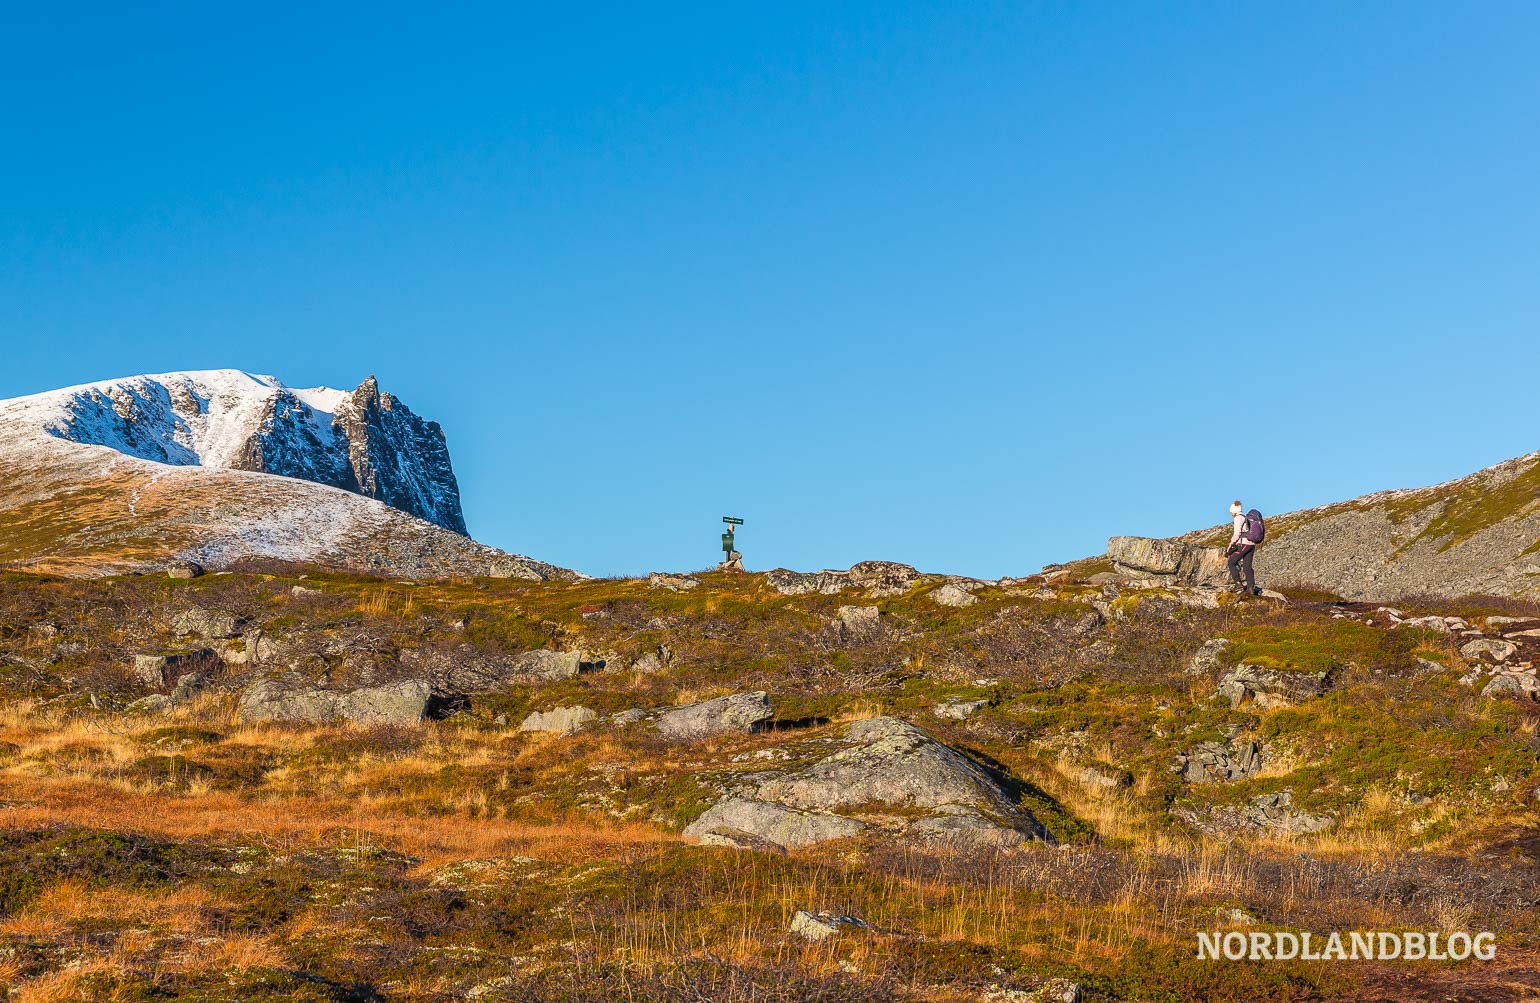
1249,531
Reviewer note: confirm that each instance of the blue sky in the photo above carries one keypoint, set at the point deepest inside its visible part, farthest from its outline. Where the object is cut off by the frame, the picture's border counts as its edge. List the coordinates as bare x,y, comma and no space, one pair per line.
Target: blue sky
971,286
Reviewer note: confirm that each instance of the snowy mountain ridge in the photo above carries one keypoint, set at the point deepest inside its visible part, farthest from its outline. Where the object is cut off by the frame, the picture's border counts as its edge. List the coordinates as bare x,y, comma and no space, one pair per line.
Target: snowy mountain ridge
366,441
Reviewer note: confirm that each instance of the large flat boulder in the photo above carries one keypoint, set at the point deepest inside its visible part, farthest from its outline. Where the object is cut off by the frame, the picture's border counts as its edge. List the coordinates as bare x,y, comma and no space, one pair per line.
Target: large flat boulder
741,713
728,822
884,773
401,702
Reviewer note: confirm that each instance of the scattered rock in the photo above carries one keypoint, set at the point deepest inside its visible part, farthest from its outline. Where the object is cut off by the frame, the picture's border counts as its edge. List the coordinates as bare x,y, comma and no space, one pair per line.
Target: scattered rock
563,720
189,685
152,704
1271,687
1523,633
301,591
674,583
817,926
1209,658
184,570
1507,621
952,594
1490,650
625,717
957,708
740,712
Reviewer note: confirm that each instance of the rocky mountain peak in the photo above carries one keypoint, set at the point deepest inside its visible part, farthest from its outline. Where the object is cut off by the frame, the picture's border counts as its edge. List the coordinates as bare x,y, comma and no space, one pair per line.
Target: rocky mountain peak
367,441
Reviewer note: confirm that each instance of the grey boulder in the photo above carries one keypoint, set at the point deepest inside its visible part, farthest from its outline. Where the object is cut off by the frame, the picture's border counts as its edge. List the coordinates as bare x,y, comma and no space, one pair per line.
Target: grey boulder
739,713
402,702
562,720
1489,649
776,824
205,623
1271,687
1209,658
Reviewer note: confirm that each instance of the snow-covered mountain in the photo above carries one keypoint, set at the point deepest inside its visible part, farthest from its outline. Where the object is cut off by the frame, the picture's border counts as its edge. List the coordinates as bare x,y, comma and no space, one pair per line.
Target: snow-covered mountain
365,441
217,466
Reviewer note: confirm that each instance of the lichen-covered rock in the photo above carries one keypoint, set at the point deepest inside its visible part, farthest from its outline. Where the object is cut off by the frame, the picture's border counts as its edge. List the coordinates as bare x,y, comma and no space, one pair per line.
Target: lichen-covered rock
858,623
401,702
184,570
1489,649
1264,813
673,583
1141,553
821,925
164,669
1271,687
1515,684
958,709
776,824
1211,762
1209,658
798,583
896,777
562,720
883,578
952,594
205,623
549,665
740,712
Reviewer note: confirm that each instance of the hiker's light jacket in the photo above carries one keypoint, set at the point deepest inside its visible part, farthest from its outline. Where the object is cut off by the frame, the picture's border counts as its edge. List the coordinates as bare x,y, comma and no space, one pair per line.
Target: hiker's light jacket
1238,535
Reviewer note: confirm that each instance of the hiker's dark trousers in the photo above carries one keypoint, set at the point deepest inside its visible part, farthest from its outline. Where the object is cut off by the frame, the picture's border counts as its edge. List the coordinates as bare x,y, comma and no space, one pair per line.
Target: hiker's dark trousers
1242,559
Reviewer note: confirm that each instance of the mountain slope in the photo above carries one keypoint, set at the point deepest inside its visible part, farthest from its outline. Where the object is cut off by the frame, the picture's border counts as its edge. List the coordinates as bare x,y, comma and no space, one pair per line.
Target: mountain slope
1478,535
138,473
367,441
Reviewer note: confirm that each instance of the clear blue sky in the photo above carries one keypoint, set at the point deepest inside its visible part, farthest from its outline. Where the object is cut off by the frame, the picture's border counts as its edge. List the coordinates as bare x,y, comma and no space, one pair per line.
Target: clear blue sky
971,286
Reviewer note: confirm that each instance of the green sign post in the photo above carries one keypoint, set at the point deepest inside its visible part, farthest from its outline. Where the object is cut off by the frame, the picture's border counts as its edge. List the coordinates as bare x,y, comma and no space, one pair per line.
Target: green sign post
730,553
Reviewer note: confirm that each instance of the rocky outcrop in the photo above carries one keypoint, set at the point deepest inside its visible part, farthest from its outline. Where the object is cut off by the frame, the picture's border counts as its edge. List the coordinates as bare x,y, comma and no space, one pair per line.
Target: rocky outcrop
741,713
1488,649
1264,813
1169,561
1472,536
936,792
1271,687
402,702
878,579
397,457
1212,762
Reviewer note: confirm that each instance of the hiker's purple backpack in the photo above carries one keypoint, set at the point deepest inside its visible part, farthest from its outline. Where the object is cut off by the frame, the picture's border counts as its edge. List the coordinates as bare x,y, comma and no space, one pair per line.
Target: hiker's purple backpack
1256,529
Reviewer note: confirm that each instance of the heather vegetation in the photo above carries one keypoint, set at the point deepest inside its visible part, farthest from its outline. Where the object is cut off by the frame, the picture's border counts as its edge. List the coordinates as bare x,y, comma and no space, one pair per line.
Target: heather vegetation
160,840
